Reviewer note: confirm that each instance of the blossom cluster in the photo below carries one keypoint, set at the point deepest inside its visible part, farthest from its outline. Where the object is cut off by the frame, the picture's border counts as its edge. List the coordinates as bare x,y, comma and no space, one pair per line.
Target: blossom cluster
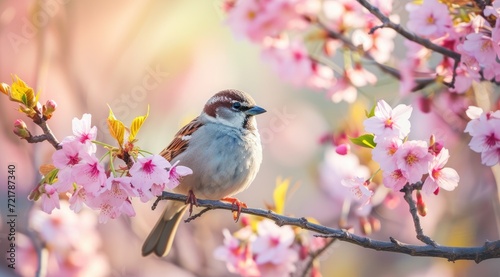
284,28
265,249
469,30
484,128
407,161
82,177
72,242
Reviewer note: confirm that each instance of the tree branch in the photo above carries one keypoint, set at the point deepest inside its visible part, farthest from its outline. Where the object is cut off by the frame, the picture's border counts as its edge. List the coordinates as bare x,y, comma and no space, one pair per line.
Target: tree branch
420,83
408,191
387,23
47,133
489,250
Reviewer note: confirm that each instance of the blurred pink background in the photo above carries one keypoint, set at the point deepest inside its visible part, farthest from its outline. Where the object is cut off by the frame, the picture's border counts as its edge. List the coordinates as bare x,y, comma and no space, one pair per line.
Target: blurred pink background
173,55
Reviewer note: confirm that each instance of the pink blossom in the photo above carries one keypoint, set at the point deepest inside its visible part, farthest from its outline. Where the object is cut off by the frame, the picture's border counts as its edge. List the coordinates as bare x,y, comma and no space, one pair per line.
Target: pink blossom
384,152
73,241
486,136
493,9
150,170
272,249
482,47
343,14
90,174
382,45
260,19
413,159
394,179
388,122
176,172
491,156
289,59
342,90
359,77
430,19
335,168
237,253
64,159
78,198
440,176
49,199
359,190
83,133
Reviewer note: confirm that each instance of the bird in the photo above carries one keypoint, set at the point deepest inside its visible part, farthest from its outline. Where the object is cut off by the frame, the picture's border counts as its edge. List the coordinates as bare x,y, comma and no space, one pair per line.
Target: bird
223,148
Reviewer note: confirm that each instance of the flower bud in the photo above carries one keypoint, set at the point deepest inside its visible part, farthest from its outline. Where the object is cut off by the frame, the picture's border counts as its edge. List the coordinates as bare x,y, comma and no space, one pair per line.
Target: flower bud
49,108
425,104
21,130
421,207
375,223
51,105
366,227
343,149
4,88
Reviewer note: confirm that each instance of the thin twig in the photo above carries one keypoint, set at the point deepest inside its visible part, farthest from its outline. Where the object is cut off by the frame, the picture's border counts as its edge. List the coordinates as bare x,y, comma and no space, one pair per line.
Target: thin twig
47,133
315,255
387,23
420,83
489,250
408,191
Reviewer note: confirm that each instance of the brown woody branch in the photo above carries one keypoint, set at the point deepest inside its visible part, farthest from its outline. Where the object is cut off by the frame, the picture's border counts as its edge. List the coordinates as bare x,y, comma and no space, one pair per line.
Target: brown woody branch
489,250
47,133
420,83
408,191
387,23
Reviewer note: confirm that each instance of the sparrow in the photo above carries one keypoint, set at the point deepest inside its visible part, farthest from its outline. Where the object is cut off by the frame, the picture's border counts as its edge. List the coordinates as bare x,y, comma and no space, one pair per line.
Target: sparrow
222,146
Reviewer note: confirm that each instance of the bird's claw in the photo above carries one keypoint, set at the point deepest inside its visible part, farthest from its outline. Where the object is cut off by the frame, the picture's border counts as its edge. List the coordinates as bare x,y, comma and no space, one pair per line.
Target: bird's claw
236,205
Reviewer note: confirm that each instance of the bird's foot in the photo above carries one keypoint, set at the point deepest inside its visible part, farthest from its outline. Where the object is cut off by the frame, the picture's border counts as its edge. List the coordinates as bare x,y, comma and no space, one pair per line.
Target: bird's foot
191,200
237,205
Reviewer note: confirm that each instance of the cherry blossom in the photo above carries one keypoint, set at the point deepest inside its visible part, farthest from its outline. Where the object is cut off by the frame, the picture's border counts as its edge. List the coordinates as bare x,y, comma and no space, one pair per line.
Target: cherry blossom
358,188
65,159
440,176
237,253
394,179
83,133
49,199
485,131
272,249
384,152
430,19
150,170
176,172
342,90
90,174
412,158
388,122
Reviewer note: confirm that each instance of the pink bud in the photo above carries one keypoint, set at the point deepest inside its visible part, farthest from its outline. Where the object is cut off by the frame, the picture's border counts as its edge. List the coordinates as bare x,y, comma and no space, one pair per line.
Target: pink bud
20,129
20,124
51,105
425,104
343,149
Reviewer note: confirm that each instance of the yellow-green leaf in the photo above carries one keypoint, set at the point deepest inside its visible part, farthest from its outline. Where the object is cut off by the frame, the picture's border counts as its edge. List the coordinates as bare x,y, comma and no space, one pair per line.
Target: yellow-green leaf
136,126
279,194
21,91
116,127
365,140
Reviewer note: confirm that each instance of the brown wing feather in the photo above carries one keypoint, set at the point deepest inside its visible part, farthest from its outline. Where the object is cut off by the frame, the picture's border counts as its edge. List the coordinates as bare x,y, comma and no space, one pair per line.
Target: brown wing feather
181,140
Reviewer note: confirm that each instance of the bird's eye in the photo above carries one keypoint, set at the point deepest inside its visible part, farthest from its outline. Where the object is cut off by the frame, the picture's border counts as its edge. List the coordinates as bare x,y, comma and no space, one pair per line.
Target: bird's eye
236,106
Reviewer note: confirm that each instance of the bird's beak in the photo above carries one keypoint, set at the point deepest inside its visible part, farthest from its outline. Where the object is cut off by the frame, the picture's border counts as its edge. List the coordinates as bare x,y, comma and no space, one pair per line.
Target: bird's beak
255,110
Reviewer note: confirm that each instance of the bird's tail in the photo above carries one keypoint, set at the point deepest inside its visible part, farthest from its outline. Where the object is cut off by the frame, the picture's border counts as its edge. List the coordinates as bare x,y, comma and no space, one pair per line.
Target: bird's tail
159,241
